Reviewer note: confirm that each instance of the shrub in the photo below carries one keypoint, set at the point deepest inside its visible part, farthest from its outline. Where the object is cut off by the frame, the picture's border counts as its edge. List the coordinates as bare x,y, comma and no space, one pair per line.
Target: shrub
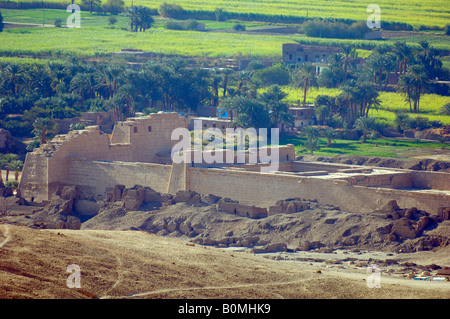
340,30
171,10
239,27
273,75
445,110
172,25
112,20
447,29
58,23
13,184
191,24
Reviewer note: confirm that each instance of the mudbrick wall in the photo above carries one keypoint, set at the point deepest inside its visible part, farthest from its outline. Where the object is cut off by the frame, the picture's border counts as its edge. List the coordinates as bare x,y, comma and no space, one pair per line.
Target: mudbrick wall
97,162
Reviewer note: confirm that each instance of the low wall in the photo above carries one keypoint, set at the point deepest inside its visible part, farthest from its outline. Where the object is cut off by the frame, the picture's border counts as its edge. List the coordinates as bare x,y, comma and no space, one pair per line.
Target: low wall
97,177
263,190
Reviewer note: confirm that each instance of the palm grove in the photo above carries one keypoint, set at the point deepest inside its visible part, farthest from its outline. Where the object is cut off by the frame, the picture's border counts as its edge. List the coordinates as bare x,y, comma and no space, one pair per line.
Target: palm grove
253,97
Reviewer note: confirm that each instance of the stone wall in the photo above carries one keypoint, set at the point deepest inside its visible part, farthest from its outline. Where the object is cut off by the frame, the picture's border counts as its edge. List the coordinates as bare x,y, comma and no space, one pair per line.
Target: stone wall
98,177
135,140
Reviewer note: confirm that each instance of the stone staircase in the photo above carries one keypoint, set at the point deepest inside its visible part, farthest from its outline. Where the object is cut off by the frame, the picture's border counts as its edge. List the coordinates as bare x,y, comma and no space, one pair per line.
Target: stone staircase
177,179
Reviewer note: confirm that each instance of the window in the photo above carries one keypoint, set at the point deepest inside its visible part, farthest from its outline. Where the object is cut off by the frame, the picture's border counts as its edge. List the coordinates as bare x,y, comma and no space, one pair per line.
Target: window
306,58
135,129
290,56
149,128
214,125
204,125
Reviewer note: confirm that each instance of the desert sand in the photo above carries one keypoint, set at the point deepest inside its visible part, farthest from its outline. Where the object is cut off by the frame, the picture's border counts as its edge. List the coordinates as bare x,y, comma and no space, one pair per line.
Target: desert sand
139,265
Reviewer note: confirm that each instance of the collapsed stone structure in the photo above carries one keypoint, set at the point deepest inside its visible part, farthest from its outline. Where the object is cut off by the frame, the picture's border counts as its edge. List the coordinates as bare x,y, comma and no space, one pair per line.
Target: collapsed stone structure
138,153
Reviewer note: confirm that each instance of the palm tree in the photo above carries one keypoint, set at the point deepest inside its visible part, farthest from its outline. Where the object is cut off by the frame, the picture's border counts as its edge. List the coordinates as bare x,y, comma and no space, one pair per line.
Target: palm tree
92,4
82,84
17,166
310,132
312,145
349,52
442,140
305,77
42,126
419,80
404,85
8,160
366,125
13,74
278,111
330,134
403,53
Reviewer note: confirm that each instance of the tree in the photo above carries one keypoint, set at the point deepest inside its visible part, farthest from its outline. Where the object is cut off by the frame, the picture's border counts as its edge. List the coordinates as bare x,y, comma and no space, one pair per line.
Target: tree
279,113
83,84
349,52
442,140
250,112
312,145
13,76
330,134
221,14
403,54
445,110
366,125
169,10
44,125
7,161
276,74
414,83
114,6
16,166
305,77
447,29
92,4
1,22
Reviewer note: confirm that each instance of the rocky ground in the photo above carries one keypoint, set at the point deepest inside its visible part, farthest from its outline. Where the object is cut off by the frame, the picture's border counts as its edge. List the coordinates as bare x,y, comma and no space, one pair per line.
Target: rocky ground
138,265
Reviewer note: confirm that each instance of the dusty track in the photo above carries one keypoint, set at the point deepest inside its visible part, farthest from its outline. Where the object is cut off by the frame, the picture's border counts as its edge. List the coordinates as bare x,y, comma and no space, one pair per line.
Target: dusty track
130,264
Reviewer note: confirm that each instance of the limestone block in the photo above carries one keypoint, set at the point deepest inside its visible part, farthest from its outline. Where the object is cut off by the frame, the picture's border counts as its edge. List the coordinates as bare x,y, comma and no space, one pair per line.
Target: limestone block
183,196
73,223
117,192
271,248
151,195
210,199
86,207
405,228
275,210
70,193
304,246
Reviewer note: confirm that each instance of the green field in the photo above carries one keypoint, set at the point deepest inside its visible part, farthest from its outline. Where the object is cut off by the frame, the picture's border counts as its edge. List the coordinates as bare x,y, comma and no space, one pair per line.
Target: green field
97,37
394,148
414,12
391,102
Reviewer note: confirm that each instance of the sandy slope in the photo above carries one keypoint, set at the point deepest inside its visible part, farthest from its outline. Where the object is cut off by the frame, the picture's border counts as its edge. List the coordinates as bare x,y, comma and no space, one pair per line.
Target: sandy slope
131,264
